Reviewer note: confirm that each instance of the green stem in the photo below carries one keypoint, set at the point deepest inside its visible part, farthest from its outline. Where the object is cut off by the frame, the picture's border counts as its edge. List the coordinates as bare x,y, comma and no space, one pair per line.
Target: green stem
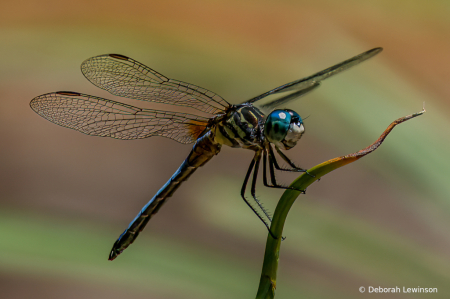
268,281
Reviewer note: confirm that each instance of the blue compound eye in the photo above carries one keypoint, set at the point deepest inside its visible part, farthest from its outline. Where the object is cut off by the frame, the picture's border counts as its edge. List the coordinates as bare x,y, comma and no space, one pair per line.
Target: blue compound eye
277,125
295,116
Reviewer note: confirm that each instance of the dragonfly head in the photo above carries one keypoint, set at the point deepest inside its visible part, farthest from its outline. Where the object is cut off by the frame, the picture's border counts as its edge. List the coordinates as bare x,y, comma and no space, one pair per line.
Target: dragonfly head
284,128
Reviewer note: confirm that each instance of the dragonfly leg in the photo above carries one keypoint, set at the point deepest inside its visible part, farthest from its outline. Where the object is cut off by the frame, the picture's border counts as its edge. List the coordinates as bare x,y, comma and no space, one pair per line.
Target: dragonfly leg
253,188
254,166
272,174
285,158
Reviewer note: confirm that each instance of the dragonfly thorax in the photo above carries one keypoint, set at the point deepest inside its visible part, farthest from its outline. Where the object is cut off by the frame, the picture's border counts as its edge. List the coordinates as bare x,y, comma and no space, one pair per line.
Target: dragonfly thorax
242,126
284,128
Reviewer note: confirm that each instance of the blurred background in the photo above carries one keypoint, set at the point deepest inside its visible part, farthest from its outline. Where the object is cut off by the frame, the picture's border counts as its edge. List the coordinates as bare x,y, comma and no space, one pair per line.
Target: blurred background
65,197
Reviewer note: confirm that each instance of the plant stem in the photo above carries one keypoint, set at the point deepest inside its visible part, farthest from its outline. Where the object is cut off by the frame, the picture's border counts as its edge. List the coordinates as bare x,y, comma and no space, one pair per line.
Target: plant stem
268,281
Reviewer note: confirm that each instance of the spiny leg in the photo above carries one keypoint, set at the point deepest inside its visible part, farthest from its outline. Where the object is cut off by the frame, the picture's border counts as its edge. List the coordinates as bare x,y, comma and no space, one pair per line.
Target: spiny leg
272,172
256,160
272,155
285,158
272,178
253,188
265,169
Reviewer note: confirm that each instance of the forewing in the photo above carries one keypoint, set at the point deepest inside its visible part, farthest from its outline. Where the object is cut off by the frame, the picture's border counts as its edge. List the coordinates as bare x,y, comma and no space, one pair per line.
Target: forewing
101,117
290,97
313,81
125,77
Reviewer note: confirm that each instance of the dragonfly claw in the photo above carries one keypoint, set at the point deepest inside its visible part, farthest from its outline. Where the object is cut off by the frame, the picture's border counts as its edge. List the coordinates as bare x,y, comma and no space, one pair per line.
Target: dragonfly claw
311,175
299,190
273,236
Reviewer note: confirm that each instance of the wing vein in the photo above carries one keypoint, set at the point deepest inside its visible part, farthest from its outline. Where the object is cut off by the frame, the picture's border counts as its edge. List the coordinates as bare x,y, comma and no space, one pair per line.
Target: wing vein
102,117
123,76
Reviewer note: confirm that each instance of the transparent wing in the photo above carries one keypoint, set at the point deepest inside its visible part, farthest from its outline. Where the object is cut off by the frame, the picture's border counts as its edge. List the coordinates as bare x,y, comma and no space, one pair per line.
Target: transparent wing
101,117
290,97
309,83
125,77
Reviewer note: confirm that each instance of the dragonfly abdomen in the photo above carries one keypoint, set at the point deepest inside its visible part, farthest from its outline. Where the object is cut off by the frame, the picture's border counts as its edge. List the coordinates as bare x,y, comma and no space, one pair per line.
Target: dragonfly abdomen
204,149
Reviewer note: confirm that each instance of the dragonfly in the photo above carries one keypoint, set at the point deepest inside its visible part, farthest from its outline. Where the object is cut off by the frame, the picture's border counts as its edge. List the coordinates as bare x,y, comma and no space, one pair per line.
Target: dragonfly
262,129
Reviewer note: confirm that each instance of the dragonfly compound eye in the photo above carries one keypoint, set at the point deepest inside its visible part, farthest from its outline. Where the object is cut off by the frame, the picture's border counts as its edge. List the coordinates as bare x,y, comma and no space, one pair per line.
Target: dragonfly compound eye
277,125
284,128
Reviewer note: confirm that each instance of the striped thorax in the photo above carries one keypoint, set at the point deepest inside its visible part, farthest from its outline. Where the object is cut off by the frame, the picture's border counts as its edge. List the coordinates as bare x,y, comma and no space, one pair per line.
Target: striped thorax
241,127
